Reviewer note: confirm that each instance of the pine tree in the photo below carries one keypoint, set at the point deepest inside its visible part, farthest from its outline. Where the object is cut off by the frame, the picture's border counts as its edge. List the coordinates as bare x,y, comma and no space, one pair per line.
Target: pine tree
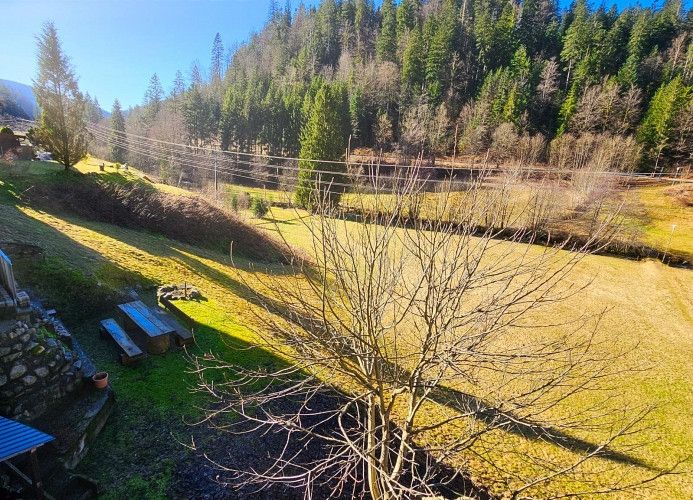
323,138
119,149
152,100
537,28
407,16
197,116
362,20
413,63
386,45
494,31
628,74
578,36
655,132
440,51
519,92
62,128
195,74
217,58
178,85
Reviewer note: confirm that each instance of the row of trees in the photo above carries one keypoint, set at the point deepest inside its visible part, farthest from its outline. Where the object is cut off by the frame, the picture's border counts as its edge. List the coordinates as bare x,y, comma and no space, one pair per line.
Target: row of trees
441,76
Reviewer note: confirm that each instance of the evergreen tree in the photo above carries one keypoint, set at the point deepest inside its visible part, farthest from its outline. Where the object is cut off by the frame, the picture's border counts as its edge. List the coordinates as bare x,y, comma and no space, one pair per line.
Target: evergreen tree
195,74
537,28
217,58
198,117
407,16
440,51
494,30
386,44
657,128
628,74
578,36
178,85
323,138
61,125
94,113
362,20
152,99
119,149
413,63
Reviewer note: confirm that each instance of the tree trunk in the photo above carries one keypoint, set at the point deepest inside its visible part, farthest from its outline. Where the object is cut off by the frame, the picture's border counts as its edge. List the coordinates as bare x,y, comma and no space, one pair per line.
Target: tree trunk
373,483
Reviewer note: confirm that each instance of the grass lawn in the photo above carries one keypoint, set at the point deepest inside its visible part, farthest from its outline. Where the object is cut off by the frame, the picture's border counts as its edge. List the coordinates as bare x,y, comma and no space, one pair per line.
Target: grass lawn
649,303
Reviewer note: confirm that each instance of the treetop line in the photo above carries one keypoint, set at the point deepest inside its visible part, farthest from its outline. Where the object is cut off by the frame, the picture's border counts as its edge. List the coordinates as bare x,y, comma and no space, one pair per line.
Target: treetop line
442,77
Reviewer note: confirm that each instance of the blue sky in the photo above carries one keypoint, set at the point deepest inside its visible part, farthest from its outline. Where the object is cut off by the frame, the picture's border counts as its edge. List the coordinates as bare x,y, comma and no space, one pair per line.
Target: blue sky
116,45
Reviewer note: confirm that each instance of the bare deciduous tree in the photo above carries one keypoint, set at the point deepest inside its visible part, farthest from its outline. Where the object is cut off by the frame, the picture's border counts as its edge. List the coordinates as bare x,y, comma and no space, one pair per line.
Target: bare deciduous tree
412,344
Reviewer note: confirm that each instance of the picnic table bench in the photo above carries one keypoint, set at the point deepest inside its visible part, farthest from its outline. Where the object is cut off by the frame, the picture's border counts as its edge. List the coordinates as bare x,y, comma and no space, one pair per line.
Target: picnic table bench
131,352
138,318
182,334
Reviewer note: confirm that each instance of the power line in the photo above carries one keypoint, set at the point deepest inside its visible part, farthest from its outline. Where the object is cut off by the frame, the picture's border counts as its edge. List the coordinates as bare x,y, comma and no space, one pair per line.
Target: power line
93,128
417,166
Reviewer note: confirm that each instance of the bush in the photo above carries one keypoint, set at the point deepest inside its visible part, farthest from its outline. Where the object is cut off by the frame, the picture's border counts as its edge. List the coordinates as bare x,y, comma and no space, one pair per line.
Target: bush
259,207
6,130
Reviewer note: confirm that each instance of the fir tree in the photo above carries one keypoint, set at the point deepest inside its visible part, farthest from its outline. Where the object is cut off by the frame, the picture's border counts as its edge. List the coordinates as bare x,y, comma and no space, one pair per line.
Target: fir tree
407,16
413,63
152,99
178,85
61,125
657,128
440,51
217,58
323,138
386,45
119,149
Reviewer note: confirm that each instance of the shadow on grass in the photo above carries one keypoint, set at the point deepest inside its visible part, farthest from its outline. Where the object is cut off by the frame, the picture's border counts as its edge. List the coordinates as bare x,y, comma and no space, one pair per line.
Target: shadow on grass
449,397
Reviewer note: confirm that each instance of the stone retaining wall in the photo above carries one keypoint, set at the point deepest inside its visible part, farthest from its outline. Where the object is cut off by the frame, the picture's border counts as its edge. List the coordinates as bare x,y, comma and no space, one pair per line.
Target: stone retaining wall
36,368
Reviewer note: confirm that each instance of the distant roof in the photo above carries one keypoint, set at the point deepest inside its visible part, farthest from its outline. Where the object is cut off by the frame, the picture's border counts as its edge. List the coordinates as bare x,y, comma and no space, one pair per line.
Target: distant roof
16,438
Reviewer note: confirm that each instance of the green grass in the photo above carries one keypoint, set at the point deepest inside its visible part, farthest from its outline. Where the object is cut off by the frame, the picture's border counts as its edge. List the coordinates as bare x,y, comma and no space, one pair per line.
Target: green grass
649,303
668,223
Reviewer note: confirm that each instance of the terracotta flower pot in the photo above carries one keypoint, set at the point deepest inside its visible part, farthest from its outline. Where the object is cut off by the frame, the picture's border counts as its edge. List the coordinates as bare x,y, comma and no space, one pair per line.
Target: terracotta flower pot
100,380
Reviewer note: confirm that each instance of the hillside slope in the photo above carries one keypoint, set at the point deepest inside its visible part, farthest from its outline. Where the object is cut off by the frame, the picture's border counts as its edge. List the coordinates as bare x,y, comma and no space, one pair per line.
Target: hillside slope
17,99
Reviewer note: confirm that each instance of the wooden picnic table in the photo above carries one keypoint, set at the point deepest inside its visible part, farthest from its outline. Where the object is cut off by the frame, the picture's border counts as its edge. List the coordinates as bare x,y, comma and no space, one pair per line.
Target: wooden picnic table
139,319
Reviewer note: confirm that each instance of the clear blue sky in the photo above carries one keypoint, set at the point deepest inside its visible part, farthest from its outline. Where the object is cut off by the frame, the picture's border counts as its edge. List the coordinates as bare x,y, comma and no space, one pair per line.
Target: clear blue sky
116,45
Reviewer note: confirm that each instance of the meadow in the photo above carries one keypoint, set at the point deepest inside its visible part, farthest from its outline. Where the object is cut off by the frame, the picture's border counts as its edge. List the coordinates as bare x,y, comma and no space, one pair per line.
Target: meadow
648,307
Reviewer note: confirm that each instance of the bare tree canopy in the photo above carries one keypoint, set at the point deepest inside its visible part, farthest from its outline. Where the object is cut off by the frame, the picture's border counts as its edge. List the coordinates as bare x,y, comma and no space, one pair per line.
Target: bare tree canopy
413,347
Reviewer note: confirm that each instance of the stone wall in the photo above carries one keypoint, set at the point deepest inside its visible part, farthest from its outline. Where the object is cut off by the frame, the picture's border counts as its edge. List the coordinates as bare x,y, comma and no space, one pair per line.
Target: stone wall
36,368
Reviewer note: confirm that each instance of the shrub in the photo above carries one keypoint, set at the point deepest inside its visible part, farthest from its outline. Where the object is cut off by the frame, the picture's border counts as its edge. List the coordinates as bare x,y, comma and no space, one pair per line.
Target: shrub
6,130
259,207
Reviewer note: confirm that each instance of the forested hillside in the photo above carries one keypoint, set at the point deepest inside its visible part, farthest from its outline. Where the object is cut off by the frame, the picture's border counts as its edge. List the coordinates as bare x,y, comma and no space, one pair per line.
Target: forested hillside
447,77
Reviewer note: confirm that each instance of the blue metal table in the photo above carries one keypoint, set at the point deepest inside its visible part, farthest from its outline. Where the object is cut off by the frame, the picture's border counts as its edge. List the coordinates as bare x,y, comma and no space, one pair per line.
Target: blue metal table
15,439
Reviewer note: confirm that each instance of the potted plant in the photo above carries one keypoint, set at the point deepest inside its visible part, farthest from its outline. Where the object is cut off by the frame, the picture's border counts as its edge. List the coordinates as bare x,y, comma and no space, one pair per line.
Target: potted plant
100,380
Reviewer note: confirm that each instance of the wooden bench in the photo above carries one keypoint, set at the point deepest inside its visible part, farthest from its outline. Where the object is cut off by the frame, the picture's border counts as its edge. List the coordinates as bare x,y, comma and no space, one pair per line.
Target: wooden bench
131,352
182,334
138,318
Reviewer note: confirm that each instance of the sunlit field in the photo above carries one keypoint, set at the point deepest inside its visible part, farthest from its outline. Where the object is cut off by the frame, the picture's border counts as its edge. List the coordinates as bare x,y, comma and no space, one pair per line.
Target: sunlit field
648,308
